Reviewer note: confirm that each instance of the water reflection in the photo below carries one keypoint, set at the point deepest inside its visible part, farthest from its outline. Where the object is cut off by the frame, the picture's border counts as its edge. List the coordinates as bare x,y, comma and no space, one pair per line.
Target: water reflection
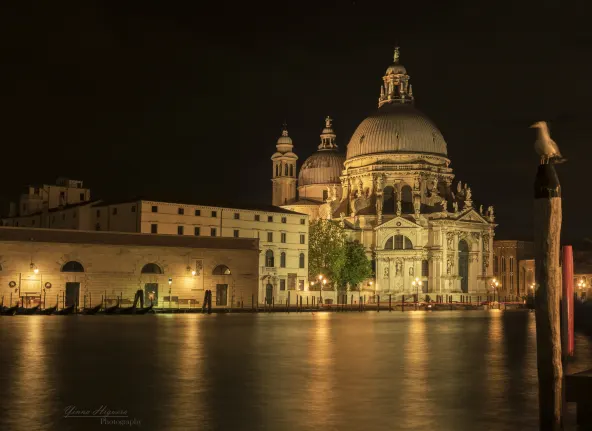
291,372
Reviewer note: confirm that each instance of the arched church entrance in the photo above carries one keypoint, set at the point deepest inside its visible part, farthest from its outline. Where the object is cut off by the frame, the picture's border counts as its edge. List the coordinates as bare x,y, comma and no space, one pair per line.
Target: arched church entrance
463,265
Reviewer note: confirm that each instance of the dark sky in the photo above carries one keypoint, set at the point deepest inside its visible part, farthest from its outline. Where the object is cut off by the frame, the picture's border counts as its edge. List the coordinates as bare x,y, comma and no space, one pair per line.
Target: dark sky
178,102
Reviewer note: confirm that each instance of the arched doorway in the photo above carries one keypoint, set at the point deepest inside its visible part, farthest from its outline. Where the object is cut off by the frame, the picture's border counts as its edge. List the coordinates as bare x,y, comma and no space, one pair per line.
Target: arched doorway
463,265
72,287
150,271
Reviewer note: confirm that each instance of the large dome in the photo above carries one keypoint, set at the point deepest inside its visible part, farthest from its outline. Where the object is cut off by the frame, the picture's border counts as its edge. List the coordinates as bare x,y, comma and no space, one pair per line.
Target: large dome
396,128
322,167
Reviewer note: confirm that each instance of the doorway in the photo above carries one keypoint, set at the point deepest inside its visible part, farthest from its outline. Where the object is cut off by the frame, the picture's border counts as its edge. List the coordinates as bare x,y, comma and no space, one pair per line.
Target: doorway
151,294
221,294
268,293
72,293
463,265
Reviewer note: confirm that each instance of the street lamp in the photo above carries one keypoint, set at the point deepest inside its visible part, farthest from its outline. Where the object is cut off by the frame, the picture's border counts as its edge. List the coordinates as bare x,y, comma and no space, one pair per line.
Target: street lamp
417,283
170,288
494,285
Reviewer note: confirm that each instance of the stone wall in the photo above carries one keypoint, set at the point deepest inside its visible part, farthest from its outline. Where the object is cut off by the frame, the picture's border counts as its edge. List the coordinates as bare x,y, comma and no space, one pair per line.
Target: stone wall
115,270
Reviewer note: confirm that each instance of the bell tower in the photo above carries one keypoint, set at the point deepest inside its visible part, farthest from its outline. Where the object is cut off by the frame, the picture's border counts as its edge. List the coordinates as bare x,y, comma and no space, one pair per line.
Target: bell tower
284,171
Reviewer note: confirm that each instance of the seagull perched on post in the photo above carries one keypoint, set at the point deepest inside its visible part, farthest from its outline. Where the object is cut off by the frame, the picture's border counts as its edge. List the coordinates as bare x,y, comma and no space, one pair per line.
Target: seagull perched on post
545,146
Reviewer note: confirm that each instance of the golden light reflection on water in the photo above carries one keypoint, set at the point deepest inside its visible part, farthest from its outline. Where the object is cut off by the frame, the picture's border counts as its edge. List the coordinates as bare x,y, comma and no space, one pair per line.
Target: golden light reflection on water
320,363
415,373
494,361
186,383
31,374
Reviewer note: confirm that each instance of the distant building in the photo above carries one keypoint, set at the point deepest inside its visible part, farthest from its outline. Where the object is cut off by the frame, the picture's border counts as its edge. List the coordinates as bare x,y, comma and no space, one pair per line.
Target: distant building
282,234
45,197
506,269
81,267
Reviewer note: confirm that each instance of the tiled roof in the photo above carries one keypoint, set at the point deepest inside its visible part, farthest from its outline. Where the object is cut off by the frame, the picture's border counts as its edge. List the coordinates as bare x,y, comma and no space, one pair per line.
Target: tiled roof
129,239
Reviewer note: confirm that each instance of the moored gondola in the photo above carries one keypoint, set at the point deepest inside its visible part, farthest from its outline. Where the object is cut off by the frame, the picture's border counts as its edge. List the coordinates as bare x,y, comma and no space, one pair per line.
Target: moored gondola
8,311
21,311
48,311
144,310
113,309
66,311
91,310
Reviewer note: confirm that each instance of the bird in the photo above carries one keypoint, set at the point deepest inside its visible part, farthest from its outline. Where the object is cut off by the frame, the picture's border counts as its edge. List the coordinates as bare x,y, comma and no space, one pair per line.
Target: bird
545,146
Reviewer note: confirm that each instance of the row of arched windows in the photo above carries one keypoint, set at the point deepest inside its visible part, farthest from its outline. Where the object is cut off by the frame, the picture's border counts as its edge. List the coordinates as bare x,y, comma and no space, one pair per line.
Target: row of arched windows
270,260
149,268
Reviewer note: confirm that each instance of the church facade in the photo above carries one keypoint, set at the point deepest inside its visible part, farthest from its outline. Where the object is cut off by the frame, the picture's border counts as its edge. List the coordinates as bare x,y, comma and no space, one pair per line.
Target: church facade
395,192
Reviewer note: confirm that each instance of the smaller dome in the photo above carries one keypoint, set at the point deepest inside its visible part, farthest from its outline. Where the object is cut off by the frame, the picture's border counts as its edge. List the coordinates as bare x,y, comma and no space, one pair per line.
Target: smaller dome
322,167
284,140
396,69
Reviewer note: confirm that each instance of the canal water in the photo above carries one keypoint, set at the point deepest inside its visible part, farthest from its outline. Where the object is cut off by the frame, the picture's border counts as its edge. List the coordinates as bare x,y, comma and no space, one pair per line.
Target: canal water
447,370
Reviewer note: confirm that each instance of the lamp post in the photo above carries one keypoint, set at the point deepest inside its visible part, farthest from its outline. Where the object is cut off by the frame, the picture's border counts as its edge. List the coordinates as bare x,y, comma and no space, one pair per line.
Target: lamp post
170,288
494,285
417,283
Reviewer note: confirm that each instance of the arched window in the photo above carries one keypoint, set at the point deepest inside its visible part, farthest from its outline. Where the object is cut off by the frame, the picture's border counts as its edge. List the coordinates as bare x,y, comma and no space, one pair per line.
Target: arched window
269,259
406,194
151,268
283,260
388,206
291,170
301,260
286,170
72,266
221,270
398,242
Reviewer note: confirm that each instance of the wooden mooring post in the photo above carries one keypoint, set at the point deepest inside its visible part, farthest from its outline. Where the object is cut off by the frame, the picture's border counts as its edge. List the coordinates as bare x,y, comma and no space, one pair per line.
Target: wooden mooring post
547,235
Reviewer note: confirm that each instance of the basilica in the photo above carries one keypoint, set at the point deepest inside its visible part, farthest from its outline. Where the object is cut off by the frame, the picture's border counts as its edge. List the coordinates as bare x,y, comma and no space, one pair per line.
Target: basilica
395,192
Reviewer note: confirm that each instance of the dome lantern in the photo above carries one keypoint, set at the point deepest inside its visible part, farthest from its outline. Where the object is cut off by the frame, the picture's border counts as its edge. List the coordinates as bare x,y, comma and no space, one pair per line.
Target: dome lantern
396,87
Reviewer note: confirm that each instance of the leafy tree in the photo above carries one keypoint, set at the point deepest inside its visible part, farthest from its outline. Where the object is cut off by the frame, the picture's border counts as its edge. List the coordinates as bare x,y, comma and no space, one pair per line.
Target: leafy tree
357,266
326,250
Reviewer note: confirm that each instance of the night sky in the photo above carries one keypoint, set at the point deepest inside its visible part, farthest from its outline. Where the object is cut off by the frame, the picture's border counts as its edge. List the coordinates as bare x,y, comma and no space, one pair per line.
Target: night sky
157,99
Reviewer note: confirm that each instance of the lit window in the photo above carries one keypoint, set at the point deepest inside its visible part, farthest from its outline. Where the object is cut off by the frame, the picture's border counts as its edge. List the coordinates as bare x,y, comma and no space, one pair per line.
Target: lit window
300,284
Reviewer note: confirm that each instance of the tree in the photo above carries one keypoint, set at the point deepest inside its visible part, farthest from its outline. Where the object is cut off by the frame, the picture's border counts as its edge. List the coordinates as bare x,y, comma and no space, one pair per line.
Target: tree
326,250
357,266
